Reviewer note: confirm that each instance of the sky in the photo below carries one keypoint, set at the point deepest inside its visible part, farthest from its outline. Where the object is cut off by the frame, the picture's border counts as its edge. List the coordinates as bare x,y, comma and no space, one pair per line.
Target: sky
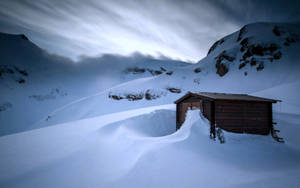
178,29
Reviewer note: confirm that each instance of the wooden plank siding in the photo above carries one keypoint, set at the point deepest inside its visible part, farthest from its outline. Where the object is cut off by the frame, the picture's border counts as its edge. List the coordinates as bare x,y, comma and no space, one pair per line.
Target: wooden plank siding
243,116
182,108
232,112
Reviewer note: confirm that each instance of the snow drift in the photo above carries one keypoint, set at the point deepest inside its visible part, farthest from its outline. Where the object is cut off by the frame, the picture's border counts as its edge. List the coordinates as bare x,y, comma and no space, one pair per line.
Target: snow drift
115,124
125,150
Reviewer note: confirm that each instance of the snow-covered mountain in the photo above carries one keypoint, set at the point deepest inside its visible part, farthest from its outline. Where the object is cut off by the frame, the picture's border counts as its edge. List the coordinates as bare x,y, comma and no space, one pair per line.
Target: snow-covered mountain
253,60
34,83
110,122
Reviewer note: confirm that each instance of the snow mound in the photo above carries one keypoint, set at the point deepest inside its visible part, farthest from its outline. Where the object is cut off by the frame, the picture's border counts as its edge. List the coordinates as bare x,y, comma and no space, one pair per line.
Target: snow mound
156,124
122,150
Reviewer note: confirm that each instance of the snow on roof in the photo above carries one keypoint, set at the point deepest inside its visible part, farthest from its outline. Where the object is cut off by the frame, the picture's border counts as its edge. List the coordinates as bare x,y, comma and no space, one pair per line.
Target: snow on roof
227,96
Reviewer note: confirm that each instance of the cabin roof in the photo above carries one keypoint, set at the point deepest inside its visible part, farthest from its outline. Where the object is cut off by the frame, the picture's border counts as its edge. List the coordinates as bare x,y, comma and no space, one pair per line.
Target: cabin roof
226,96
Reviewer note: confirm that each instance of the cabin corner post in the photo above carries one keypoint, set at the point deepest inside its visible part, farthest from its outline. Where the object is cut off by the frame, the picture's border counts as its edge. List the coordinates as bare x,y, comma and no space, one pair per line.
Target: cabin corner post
213,122
178,118
271,118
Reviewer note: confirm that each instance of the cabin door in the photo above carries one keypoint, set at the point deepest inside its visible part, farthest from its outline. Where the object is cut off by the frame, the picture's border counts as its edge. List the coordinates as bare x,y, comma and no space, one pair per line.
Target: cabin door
192,106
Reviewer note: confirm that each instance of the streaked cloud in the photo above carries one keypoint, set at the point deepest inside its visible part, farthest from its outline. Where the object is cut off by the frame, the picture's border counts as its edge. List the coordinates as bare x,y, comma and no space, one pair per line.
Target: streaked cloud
173,28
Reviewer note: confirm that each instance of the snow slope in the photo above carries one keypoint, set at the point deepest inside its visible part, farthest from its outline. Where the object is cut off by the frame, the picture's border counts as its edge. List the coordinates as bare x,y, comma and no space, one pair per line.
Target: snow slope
256,68
115,124
259,57
140,148
34,83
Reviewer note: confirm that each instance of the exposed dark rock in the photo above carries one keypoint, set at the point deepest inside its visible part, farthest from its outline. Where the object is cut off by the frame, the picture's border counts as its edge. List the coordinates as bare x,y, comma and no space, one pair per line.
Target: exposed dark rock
242,65
174,90
115,97
247,54
289,40
272,48
169,73
23,72
221,69
135,70
242,32
213,47
155,72
277,55
253,62
6,69
197,70
276,31
223,55
134,97
21,81
150,96
163,69
260,66
258,50
245,73
48,118
244,44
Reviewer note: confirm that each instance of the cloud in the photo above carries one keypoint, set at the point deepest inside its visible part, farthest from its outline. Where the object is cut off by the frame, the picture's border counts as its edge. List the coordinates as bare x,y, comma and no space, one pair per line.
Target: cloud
173,28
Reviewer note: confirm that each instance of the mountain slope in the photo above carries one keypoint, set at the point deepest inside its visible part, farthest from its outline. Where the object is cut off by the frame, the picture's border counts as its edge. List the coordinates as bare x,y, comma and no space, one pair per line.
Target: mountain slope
258,57
34,83
231,66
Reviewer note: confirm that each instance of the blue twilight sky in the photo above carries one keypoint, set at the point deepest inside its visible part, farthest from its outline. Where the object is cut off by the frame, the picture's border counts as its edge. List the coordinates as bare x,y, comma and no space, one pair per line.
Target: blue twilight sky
179,29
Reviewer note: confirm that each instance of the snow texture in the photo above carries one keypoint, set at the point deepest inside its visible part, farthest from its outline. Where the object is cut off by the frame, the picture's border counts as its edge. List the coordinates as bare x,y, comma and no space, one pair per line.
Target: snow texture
110,122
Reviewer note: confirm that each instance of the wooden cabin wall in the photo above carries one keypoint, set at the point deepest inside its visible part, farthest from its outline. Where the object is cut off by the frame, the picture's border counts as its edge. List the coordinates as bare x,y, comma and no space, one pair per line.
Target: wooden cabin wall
241,116
207,109
178,113
196,103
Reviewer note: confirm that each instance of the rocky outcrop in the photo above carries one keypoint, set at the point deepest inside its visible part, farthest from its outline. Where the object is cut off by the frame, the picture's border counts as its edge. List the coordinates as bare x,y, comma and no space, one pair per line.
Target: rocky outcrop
197,70
149,95
214,46
221,62
154,72
173,90
128,96
222,69
135,70
242,32
257,54
14,73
